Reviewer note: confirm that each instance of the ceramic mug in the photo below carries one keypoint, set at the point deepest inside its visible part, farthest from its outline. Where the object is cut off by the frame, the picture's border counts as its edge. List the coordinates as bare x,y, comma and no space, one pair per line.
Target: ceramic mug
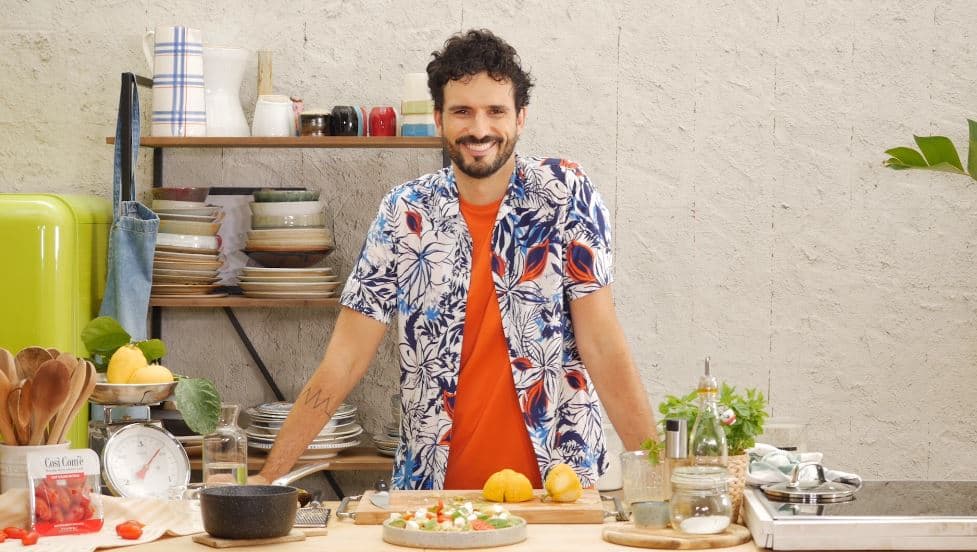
273,116
176,56
343,121
383,121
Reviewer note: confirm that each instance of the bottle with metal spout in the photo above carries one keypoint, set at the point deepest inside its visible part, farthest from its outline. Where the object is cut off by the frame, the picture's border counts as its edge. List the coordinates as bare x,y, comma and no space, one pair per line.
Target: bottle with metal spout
707,441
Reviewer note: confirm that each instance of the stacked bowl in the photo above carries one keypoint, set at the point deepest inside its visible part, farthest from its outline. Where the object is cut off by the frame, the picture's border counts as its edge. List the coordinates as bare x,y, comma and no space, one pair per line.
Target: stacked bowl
187,256
288,229
340,432
289,283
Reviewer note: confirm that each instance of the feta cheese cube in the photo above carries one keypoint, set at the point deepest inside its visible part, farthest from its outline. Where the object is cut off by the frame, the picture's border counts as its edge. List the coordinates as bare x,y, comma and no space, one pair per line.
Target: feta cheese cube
413,525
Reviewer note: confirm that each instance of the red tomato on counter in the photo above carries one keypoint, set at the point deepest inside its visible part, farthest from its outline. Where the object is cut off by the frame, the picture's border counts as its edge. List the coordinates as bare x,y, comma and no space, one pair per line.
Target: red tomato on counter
129,530
29,538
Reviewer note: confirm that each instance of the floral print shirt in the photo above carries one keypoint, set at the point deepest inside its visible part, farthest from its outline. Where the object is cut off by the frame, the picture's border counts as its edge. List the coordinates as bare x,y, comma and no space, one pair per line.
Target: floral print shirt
551,245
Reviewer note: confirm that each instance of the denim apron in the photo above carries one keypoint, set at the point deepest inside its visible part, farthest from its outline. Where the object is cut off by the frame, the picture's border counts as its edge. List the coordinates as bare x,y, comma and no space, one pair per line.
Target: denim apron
134,227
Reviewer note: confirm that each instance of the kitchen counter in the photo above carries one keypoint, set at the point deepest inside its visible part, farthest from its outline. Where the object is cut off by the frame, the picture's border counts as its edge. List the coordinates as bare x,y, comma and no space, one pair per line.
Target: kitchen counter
345,536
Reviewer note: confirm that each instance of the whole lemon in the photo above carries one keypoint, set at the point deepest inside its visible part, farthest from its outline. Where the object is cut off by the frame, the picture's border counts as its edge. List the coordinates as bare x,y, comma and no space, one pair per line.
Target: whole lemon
507,486
125,361
153,373
562,484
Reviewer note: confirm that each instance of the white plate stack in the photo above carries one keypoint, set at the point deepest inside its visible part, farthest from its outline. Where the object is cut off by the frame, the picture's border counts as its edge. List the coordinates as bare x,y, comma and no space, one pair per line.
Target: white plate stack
187,257
387,441
289,283
341,432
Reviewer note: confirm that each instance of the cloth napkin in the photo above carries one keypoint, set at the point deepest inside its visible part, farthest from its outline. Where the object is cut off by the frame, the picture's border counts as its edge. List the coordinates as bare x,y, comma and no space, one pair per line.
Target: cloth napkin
162,517
769,464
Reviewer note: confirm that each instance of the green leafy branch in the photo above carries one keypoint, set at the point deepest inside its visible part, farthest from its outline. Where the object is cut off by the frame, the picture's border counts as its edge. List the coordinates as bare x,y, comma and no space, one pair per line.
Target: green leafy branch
936,153
750,410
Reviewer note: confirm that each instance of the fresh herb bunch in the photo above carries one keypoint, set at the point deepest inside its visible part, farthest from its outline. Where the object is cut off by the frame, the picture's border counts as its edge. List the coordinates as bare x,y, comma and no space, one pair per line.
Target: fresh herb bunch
655,449
196,398
936,153
750,410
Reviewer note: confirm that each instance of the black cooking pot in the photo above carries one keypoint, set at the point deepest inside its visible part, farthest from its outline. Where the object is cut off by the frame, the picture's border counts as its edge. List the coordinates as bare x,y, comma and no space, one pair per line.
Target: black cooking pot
248,511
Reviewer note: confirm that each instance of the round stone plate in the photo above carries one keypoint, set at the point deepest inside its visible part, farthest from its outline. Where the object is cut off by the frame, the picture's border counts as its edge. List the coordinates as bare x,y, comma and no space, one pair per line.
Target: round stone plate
448,540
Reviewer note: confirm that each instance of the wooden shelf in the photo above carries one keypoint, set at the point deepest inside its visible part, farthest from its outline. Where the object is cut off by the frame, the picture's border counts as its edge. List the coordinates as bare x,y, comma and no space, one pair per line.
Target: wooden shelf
238,301
378,142
357,458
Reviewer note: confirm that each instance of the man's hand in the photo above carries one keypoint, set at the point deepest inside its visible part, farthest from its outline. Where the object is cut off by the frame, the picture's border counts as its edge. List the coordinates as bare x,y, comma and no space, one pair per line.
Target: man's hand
258,479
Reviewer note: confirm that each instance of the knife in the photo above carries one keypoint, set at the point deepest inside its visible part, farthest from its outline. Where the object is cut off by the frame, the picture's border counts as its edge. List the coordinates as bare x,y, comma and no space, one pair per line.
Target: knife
381,499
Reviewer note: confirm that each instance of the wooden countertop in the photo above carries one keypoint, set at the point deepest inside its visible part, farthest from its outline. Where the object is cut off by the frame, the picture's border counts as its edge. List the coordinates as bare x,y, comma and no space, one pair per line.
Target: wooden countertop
345,536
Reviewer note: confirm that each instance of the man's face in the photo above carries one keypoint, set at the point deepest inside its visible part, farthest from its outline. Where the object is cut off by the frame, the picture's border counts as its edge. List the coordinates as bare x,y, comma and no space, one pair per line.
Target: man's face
479,124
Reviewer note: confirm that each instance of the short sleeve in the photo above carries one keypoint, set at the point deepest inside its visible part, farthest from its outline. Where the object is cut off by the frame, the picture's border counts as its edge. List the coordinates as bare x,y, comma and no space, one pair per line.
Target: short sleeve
371,288
587,239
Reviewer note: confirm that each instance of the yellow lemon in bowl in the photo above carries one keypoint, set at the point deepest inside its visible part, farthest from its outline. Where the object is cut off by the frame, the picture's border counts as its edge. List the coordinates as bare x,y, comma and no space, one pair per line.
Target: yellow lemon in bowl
152,373
507,486
125,362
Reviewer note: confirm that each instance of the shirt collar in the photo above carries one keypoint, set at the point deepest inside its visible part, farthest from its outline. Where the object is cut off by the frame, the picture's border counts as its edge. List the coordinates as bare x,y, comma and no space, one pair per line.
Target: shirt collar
515,191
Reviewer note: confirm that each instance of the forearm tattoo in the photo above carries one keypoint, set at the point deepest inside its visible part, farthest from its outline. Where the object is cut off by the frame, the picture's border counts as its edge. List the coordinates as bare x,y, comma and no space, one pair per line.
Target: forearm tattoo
316,400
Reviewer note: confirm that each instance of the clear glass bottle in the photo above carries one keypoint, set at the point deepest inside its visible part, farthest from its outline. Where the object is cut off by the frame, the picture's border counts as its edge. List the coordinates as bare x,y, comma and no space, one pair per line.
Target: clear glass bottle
700,503
707,441
225,451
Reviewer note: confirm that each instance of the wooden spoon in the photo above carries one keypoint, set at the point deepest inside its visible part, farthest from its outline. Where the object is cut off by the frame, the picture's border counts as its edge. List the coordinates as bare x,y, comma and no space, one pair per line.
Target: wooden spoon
91,378
24,411
50,389
8,365
30,359
66,413
6,425
13,408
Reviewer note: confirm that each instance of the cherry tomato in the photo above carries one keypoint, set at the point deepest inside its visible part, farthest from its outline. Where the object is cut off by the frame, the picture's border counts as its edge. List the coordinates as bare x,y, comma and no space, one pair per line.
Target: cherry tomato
3,536
29,538
130,530
14,532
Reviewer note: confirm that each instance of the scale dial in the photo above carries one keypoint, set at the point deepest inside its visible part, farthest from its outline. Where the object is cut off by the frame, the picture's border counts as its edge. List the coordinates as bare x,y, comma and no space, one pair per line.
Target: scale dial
142,460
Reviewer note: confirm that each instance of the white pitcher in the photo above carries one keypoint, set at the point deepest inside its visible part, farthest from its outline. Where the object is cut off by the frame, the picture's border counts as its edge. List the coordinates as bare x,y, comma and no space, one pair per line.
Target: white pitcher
175,55
223,75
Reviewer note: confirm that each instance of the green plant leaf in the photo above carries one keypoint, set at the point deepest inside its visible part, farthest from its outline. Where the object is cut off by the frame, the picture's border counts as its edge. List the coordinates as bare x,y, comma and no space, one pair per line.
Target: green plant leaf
152,349
939,150
905,158
972,152
104,335
197,399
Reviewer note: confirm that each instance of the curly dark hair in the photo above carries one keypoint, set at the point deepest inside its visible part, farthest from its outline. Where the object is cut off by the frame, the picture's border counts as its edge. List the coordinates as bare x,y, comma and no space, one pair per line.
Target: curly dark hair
470,53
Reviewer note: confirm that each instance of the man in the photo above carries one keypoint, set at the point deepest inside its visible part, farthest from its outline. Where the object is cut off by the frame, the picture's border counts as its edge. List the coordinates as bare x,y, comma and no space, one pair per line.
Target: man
498,271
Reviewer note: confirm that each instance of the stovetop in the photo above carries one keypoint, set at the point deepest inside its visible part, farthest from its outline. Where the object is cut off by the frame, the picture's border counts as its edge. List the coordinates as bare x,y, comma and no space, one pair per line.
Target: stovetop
890,499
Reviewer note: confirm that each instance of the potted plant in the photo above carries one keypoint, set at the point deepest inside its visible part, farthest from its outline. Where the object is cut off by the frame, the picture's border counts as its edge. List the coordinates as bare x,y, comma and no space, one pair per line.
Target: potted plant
936,153
744,415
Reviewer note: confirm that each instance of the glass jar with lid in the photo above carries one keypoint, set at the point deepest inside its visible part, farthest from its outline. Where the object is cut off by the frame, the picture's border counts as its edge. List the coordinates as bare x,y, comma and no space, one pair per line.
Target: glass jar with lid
700,503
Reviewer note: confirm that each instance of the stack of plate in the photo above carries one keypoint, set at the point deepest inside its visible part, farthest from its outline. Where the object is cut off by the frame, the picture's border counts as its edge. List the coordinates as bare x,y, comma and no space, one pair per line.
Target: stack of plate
288,229
341,432
289,283
187,257
387,441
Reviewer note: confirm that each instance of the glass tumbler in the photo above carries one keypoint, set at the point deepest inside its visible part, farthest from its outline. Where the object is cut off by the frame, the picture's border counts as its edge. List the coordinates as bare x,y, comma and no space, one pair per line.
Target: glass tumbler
645,489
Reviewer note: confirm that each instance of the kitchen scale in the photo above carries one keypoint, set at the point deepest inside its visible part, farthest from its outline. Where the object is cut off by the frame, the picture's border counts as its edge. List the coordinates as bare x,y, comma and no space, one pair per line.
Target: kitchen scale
139,458
883,515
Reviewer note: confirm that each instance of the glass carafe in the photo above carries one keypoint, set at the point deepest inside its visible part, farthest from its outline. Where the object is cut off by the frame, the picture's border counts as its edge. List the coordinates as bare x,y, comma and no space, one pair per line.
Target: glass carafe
225,451
707,441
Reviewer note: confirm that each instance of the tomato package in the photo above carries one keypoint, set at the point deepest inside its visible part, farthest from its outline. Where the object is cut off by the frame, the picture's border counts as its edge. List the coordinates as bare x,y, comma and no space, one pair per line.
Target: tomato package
65,498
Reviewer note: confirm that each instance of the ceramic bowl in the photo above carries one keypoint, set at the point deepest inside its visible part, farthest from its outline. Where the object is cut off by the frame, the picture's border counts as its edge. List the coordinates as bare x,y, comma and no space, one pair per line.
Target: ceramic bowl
174,204
281,208
286,259
278,196
188,227
287,221
187,241
196,195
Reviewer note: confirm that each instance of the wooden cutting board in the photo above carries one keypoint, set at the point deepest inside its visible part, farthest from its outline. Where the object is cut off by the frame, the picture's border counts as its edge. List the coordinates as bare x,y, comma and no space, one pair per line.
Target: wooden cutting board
670,539
588,509
293,536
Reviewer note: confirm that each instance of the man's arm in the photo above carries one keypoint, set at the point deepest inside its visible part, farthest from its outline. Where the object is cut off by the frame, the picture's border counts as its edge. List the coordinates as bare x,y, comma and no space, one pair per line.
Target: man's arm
606,355
353,344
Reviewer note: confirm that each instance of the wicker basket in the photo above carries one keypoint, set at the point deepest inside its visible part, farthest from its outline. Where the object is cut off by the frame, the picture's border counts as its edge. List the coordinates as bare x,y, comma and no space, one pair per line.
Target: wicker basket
736,466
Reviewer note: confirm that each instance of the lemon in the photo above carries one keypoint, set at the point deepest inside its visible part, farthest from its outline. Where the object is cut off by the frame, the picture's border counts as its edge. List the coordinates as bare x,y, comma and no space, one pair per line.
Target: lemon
562,484
153,373
125,361
507,486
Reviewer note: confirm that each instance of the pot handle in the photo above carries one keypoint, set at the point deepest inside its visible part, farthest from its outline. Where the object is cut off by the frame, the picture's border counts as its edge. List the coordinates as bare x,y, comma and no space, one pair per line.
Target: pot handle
295,475
341,512
619,513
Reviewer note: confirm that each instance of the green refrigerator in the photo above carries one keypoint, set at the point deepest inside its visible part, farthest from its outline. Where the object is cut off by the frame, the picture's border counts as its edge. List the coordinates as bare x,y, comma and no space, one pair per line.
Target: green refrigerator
54,263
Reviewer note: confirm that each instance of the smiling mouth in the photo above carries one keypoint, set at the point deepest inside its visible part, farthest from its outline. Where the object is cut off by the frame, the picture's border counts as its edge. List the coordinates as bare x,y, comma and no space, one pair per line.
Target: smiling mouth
479,149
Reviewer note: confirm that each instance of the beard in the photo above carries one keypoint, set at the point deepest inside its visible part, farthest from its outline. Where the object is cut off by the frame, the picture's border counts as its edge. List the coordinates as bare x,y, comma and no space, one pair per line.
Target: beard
480,167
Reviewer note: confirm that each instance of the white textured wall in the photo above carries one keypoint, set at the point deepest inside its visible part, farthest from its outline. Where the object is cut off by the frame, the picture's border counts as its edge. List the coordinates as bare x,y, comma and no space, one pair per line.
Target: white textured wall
737,144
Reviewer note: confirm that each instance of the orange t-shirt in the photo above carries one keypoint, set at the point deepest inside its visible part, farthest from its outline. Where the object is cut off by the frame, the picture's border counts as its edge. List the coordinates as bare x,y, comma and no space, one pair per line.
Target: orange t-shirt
488,432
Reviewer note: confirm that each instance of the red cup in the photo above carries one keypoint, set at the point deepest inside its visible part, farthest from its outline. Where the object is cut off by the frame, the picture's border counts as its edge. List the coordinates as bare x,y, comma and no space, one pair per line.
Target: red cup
383,121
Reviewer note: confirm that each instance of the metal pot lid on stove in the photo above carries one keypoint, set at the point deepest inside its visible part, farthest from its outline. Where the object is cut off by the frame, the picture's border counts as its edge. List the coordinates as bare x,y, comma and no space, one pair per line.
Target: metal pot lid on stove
810,491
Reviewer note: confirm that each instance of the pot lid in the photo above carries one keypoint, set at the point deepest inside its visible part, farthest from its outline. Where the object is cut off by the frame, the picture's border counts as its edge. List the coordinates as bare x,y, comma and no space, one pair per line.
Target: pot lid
810,491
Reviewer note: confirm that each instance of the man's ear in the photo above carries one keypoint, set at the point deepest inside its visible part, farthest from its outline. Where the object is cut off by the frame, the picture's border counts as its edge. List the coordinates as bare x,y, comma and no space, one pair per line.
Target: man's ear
520,120
438,121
